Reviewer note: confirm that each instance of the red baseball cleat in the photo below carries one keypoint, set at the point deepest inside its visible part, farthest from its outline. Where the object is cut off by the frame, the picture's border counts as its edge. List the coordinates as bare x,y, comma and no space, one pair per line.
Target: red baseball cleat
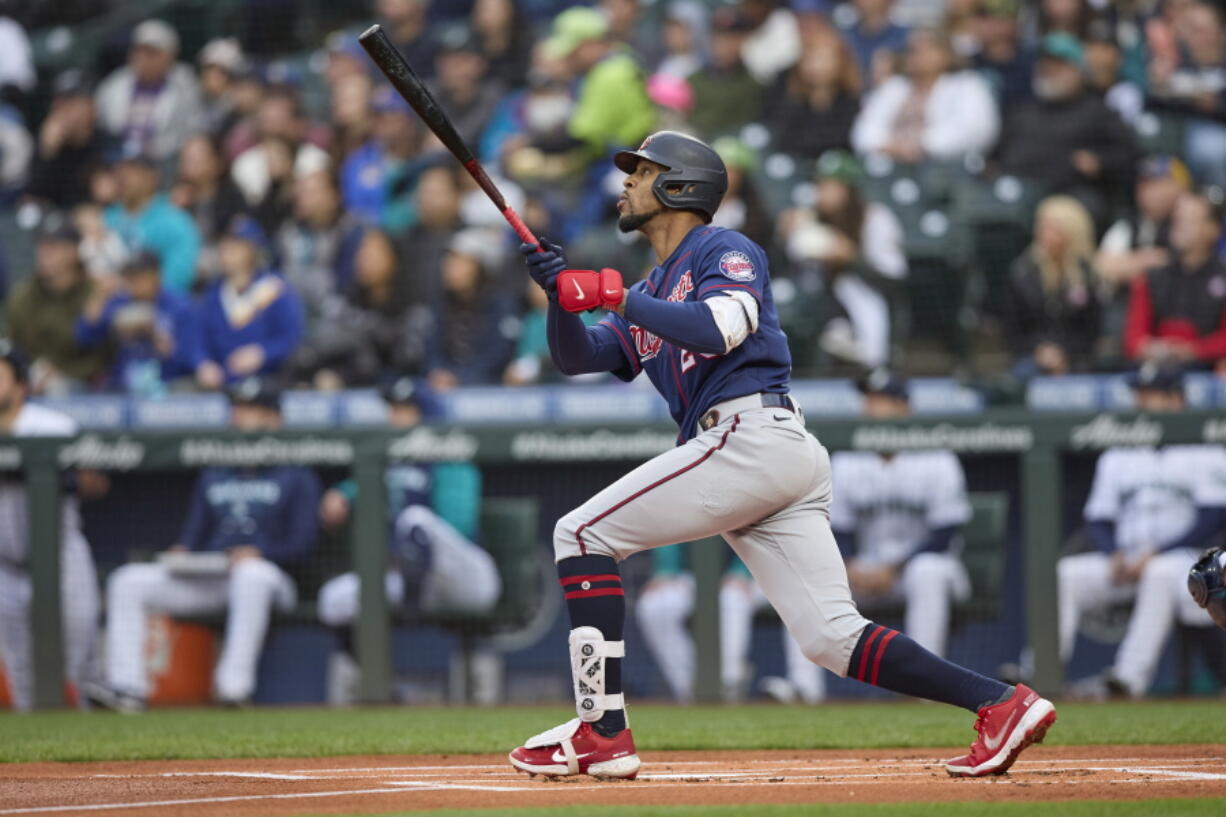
1005,729
575,748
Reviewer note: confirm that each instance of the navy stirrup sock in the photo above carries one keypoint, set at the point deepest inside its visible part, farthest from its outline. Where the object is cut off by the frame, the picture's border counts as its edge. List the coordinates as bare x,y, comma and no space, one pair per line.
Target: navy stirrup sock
594,598
889,659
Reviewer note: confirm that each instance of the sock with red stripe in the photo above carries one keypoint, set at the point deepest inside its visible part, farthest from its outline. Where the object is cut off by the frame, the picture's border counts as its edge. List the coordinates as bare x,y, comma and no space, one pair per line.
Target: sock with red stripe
594,598
889,659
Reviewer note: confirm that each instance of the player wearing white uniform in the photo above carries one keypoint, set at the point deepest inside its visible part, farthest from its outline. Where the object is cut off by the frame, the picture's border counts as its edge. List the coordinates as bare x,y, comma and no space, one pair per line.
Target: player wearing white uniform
434,513
78,581
665,604
249,525
899,514
1149,513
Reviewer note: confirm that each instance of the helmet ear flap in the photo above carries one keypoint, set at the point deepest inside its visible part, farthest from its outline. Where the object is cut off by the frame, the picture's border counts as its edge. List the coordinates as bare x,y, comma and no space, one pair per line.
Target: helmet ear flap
1207,585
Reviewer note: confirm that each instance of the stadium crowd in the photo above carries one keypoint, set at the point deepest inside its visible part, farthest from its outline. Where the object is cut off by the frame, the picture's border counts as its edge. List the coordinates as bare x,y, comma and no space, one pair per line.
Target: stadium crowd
202,217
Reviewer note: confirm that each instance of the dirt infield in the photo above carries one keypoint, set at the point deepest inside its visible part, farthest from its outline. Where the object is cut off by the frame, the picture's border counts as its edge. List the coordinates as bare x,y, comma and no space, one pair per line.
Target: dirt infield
228,788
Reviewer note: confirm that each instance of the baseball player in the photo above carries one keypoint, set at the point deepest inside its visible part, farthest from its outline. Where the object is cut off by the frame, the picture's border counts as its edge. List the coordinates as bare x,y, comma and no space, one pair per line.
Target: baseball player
433,511
899,514
78,581
703,325
1149,514
255,517
666,603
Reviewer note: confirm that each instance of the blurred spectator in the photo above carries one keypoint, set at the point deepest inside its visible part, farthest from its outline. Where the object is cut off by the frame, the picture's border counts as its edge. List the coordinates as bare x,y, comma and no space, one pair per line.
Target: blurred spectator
876,39
247,96
317,247
346,58
17,77
43,309
812,107
1178,312
532,361
101,249
473,337
1052,317
150,334
283,151
375,176
686,38
959,24
373,332
146,220
1002,57
1068,16
1139,243
855,245
461,84
206,193
437,203
262,519
352,117
405,22
1067,139
251,319
16,152
1104,63
505,39
153,103
1196,88
69,145
935,111
674,100
220,61
726,96
632,29
773,44
742,208
612,109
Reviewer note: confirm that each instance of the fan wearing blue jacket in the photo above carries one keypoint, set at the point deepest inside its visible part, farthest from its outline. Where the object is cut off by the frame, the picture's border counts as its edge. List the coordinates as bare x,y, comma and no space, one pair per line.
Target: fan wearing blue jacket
151,331
251,320
260,519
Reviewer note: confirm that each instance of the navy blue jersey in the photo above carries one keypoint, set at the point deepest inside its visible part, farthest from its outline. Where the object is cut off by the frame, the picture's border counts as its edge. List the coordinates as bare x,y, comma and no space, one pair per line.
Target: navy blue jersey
272,509
709,262
407,485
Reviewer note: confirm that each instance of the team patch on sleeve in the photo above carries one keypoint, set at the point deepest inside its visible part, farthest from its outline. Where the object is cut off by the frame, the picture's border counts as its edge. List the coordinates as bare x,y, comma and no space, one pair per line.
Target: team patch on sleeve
737,266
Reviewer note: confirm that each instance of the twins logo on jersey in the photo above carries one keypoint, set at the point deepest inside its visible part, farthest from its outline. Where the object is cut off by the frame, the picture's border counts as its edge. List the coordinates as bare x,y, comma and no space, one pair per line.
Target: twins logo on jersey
737,266
646,344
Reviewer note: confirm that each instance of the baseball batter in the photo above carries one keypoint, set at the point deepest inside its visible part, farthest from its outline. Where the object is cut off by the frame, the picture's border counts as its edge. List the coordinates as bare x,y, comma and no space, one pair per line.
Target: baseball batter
900,515
703,326
1150,513
665,604
78,581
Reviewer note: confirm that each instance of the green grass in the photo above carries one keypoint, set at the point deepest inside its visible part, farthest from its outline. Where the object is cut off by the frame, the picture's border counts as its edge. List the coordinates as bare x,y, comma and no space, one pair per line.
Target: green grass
1080,808
291,732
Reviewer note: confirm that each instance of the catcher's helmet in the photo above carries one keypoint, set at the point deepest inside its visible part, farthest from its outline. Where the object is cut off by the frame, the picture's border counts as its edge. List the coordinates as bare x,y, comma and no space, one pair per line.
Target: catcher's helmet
1207,585
694,171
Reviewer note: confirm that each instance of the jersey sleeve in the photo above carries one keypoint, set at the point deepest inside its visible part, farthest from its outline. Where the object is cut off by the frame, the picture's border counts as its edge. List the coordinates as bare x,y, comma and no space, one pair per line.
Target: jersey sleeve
729,262
616,328
1104,502
948,505
842,511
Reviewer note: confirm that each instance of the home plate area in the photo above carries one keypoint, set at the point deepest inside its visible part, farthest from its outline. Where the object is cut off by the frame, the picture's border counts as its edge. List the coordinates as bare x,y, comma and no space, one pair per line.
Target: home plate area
382,784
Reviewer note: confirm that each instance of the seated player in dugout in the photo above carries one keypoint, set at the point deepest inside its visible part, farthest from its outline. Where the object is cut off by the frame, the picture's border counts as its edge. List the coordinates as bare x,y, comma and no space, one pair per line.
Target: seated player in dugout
78,580
253,518
897,517
1150,513
434,566
704,327
664,606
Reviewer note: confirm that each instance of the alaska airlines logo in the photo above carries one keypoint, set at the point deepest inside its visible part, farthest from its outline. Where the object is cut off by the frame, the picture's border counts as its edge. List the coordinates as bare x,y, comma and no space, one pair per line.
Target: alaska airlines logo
646,344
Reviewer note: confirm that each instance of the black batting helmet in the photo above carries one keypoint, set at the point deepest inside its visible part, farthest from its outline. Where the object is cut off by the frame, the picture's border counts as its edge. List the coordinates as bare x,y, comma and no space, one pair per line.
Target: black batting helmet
1207,585
692,169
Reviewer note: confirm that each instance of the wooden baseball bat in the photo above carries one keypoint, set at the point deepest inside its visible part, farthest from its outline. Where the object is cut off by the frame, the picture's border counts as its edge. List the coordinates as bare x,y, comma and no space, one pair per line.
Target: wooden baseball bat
410,86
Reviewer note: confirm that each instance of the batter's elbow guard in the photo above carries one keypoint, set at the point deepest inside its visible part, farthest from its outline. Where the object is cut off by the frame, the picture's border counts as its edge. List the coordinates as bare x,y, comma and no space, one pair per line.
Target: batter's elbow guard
1208,586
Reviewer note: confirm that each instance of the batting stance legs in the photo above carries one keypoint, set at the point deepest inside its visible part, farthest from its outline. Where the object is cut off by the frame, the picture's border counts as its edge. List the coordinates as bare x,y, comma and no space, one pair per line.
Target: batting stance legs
759,479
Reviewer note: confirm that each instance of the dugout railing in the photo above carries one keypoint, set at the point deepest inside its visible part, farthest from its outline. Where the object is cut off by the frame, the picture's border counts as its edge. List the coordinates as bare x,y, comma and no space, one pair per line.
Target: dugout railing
1038,441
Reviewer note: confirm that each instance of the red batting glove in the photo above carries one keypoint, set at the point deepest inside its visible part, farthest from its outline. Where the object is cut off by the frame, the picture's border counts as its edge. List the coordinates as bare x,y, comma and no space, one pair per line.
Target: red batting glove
582,289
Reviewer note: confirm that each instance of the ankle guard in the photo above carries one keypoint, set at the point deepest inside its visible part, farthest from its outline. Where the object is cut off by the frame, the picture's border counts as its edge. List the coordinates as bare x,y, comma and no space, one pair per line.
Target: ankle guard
588,651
